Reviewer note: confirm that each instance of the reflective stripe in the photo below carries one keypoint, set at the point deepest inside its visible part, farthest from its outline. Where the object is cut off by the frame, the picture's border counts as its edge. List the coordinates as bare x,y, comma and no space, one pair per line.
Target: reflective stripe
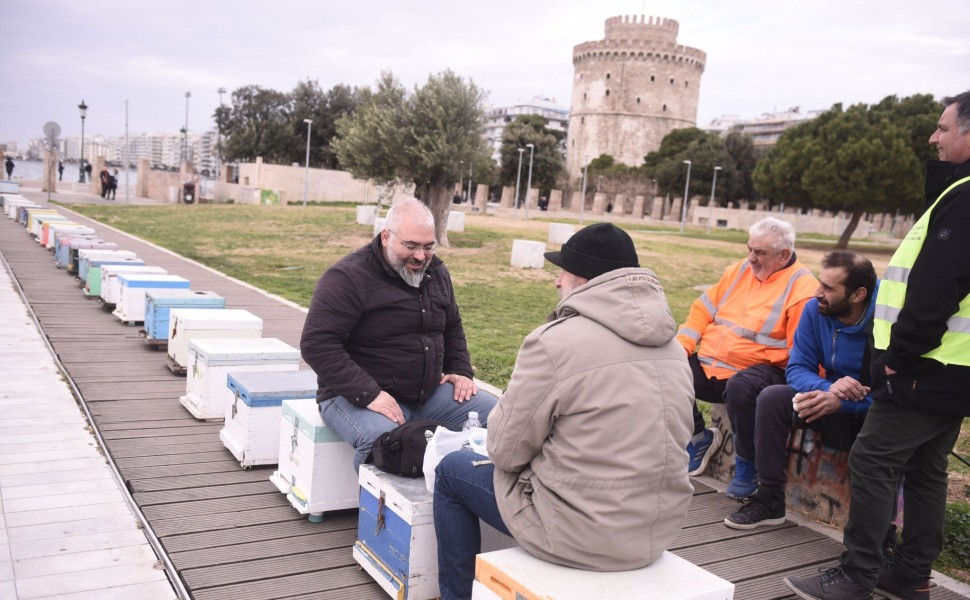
714,363
708,304
690,333
886,313
751,335
958,324
778,308
900,274
744,267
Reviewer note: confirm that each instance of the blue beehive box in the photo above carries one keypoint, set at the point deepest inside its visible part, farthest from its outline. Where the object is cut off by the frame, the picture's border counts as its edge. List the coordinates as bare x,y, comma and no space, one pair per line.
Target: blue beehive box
130,307
252,424
62,246
158,304
395,534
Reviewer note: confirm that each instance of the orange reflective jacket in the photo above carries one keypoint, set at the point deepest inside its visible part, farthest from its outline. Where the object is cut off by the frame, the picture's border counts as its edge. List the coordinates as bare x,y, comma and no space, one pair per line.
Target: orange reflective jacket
740,321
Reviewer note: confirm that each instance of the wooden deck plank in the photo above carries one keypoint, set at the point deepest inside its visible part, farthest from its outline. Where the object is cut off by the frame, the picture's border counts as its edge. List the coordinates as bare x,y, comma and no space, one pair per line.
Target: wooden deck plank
262,568
217,506
274,547
205,493
284,587
213,522
336,521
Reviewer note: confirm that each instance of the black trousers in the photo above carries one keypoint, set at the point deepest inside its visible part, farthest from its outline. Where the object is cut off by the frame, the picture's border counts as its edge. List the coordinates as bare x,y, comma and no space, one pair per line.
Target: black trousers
740,395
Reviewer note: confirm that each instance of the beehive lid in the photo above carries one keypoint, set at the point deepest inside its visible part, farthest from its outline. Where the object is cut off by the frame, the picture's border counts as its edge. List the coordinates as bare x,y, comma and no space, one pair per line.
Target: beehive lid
268,388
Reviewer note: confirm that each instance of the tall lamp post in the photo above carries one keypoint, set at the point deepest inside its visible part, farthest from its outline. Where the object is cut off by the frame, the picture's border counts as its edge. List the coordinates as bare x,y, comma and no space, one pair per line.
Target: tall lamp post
461,176
185,148
518,178
306,169
582,200
84,113
528,182
219,91
683,205
469,199
710,205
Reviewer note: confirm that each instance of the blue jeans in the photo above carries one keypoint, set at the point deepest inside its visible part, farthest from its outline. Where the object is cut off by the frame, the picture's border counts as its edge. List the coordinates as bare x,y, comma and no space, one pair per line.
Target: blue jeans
359,427
463,494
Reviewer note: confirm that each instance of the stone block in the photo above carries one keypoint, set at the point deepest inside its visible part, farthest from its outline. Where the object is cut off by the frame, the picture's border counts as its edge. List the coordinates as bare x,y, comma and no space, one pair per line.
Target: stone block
366,214
559,233
527,254
456,221
379,224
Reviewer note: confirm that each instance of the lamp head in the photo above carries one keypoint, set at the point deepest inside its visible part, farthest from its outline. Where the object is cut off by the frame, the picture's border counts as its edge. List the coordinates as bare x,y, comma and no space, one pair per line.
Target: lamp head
308,121
717,168
83,108
686,162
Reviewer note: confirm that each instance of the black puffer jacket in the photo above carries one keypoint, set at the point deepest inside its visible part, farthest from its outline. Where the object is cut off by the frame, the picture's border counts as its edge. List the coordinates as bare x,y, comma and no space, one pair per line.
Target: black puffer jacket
369,331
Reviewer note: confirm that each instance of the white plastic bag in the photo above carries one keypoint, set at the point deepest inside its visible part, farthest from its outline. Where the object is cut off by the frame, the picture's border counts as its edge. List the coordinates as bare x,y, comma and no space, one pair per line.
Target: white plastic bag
444,442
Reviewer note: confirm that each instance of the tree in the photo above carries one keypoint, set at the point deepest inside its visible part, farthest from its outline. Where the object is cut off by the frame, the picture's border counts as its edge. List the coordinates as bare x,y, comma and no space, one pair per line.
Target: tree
704,151
419,138
863,159
256,124
547,162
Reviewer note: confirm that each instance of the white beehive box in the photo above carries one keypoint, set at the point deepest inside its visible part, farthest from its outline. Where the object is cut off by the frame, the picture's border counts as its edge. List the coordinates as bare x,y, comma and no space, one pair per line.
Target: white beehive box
130,307
316,467
87,256
252,424
514,573
210,361
187,324
110,288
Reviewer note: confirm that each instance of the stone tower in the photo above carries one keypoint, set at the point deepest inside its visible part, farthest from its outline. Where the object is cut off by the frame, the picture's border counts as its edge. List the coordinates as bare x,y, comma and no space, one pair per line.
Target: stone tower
629,90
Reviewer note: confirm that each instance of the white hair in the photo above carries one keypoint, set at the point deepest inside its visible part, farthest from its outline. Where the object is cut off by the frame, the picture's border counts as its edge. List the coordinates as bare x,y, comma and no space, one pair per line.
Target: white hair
781,231
411,209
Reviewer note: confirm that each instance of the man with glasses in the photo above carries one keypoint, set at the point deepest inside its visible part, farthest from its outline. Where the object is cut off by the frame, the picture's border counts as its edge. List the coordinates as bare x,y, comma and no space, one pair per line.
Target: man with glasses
385,338
737,337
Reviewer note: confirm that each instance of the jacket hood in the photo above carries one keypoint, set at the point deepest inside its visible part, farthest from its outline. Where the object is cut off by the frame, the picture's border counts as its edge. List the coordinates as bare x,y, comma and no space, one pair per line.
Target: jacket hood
630,302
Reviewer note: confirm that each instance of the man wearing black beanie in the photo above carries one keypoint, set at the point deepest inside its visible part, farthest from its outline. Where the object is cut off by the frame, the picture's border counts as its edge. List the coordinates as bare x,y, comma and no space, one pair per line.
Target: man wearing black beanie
588,466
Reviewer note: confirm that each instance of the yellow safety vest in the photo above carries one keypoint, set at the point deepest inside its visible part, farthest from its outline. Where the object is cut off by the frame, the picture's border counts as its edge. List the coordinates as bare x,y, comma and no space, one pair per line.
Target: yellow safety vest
954,348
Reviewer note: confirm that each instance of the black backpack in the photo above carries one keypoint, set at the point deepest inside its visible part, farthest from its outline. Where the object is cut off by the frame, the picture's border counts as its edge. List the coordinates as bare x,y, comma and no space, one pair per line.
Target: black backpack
400,451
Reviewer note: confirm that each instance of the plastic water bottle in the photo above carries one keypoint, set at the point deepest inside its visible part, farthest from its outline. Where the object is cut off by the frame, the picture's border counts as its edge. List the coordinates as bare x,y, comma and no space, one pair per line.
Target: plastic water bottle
471,421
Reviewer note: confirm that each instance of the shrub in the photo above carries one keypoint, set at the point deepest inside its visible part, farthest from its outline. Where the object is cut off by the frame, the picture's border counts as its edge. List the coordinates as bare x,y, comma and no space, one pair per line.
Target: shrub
956,535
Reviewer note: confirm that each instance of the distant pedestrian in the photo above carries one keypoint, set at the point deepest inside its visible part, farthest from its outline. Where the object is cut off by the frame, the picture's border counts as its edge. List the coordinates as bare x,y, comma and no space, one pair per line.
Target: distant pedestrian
60,171
105,177
112,185
9,165
87,169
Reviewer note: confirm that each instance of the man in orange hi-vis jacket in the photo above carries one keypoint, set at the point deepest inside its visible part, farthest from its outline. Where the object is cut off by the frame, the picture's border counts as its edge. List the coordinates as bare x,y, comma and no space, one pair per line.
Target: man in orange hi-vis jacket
737,337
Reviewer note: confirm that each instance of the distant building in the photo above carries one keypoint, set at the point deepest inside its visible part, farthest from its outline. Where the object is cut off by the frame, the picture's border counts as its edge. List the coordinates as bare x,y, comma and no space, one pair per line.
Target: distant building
497,117
631,89
162,150
764,130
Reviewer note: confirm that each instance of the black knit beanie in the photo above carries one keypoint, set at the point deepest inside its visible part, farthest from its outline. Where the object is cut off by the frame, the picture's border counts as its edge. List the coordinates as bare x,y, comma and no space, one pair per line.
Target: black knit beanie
595,250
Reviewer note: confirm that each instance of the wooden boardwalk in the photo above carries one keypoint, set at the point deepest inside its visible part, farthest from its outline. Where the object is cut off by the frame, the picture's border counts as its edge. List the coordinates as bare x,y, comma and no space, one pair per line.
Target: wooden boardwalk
228,533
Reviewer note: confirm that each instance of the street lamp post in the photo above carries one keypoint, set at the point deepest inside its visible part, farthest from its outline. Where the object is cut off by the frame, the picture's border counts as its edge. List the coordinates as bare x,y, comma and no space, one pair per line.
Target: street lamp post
84,113
306,169
469,199
582,199
710,205
185,146
461,175
683,204
518,178
219,91
528,182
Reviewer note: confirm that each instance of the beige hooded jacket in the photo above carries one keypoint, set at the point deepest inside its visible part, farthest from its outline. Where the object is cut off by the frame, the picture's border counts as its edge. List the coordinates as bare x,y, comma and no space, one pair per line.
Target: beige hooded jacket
589,438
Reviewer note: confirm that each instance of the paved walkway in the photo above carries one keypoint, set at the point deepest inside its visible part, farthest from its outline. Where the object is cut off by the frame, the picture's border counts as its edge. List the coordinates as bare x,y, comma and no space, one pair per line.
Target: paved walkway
66,529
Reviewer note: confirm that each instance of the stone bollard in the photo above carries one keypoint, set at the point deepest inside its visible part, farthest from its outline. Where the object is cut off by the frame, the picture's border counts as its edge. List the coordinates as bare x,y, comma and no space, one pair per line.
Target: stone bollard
366,214
527,254
456,221
559,233
379,224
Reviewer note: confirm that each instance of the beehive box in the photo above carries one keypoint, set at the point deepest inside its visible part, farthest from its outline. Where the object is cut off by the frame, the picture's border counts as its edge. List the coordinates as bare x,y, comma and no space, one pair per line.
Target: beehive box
159,303
252,423
187,324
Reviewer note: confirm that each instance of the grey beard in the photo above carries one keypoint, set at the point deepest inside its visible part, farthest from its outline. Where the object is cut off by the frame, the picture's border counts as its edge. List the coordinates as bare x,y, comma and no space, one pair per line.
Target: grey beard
412,279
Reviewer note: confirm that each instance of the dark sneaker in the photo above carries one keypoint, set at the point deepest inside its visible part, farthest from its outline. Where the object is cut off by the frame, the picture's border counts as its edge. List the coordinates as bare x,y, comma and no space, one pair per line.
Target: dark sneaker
701,452
758,511
745,482
832,584
895,586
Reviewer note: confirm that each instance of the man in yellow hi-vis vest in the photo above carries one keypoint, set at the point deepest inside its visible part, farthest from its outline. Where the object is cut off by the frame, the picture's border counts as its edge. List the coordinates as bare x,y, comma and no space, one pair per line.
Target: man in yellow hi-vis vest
921,332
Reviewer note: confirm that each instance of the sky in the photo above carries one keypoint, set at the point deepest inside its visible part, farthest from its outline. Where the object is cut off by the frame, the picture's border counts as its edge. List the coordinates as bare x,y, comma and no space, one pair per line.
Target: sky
762,55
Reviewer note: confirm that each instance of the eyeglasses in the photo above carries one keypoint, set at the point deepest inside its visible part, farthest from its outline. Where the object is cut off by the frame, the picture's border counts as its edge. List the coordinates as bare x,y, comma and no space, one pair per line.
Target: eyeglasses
413,247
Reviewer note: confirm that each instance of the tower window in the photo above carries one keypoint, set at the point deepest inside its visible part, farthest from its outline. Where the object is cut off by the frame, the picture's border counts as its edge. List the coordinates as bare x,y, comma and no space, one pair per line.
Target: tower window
652,78
607,92
665,108
686,83
584,95
638,100
607,75
671,81
582,120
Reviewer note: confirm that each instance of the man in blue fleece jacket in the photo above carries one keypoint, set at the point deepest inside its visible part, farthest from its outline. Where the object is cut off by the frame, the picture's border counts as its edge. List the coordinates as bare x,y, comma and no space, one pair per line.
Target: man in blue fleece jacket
825,376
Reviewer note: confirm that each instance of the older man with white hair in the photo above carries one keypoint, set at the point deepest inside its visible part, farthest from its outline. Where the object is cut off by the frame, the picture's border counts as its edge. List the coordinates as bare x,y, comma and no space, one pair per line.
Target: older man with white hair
737,337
